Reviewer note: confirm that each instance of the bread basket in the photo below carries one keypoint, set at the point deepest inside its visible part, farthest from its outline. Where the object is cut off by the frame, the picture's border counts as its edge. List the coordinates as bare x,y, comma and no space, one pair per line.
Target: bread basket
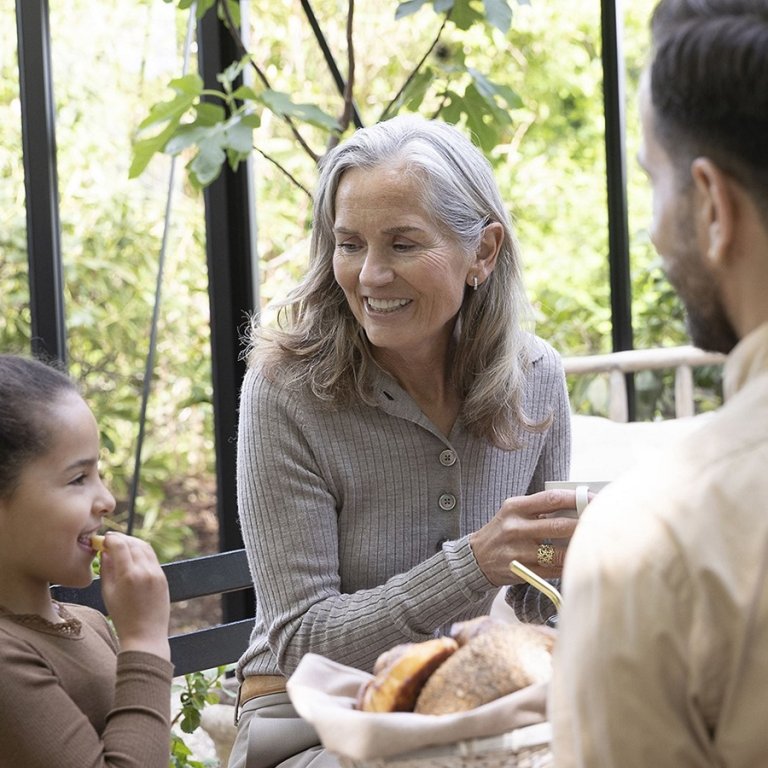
528,747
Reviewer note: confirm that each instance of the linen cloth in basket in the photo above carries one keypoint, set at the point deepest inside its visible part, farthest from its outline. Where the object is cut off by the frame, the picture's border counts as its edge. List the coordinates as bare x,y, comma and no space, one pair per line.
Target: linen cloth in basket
506,732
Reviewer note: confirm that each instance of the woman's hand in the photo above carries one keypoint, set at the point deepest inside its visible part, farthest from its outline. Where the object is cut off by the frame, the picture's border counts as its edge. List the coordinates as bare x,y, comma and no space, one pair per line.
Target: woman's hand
135,593
517,530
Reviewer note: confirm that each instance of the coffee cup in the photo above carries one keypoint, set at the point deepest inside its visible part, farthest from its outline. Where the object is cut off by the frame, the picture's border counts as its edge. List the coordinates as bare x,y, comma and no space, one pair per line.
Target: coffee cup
582,487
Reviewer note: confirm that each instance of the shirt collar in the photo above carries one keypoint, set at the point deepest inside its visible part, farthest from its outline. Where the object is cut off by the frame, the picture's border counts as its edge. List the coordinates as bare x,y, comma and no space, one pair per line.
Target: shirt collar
748,359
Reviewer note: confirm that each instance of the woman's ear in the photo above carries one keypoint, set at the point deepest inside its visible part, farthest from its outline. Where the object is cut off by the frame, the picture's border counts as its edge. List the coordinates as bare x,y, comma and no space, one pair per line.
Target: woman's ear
487,252
716,209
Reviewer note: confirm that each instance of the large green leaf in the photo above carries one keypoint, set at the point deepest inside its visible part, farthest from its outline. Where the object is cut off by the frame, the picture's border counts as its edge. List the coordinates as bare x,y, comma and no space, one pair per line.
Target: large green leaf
282,104
143,150
188,90
499,14
490,90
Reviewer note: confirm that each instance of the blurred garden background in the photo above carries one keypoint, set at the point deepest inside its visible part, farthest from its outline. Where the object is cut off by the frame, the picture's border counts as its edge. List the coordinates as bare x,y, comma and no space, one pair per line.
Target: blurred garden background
539,75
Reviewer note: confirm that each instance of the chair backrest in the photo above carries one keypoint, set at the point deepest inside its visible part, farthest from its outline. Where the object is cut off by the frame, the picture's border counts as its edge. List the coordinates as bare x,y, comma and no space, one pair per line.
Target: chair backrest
200,649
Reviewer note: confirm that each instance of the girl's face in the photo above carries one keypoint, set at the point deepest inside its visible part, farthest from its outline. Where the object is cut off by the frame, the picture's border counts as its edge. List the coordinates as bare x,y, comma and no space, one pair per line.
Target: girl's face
59,501
403,277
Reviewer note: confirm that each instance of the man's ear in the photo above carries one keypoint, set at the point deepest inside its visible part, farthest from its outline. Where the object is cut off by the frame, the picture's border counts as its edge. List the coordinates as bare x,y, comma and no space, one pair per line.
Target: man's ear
488,251
716,208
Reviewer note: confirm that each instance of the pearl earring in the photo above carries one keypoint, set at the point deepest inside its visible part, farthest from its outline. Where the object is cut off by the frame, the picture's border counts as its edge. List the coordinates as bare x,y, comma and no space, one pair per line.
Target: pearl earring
474,282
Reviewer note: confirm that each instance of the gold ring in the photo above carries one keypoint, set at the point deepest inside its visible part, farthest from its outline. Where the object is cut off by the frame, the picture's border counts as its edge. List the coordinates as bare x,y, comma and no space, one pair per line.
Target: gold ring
545,555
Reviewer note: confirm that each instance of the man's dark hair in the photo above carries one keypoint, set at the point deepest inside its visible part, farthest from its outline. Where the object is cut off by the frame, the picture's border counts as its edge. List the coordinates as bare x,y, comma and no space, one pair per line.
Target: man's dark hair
709,86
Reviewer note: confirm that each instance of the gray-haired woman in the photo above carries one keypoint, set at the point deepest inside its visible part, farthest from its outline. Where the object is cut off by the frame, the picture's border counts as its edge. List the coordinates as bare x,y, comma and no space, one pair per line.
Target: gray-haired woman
396,429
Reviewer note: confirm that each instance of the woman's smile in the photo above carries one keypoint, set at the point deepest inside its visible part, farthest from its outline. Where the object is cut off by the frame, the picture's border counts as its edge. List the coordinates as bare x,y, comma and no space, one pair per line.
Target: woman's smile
384,306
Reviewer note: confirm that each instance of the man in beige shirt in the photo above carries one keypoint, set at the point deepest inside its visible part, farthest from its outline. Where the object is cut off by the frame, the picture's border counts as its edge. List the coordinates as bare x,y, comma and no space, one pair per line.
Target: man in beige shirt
662,658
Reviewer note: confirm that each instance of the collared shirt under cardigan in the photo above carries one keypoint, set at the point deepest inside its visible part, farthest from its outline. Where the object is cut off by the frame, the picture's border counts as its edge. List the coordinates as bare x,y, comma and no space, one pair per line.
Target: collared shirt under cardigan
662,655
356,520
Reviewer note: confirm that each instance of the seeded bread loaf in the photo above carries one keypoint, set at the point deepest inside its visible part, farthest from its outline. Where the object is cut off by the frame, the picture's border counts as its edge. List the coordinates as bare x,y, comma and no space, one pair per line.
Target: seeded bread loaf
482,660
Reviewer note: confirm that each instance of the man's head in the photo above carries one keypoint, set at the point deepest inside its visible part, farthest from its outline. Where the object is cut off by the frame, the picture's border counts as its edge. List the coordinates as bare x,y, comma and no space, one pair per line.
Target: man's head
704,105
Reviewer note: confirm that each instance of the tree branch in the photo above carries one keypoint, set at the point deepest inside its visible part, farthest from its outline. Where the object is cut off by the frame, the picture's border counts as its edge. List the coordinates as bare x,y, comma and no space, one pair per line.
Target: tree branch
235,32
346,115
285,172
416,69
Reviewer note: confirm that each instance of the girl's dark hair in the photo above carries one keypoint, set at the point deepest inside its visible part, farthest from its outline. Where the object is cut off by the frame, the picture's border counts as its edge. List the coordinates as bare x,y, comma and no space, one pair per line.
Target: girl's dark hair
28,388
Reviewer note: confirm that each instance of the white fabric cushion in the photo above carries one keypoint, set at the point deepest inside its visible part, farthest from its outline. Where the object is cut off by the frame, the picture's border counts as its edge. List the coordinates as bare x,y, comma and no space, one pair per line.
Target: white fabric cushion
603,449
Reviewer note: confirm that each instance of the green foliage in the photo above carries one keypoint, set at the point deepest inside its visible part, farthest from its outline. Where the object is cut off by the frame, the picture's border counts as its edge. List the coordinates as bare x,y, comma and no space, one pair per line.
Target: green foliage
198,691
223,133
112,232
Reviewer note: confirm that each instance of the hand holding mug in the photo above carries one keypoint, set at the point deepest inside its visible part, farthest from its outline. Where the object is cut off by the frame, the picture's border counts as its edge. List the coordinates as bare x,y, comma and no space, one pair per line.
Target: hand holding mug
527,529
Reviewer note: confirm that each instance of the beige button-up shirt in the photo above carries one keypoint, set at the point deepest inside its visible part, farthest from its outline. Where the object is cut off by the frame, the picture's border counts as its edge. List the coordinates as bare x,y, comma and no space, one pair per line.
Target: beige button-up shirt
662,658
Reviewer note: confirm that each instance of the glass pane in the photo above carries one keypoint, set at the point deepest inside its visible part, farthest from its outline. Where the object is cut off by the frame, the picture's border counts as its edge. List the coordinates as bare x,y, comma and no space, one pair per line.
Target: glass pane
110,60
15,324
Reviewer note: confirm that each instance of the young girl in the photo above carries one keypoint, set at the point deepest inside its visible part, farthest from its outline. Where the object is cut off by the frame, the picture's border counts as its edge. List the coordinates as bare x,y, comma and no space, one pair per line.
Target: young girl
70,695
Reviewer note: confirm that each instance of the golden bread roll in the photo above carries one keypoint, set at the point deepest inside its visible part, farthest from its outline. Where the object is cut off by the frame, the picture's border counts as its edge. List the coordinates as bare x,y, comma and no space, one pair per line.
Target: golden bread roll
97,542
400,674
463,631
494,662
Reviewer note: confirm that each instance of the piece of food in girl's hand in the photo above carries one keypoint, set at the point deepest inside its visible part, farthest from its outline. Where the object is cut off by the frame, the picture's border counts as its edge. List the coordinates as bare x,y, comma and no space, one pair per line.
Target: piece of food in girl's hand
97,542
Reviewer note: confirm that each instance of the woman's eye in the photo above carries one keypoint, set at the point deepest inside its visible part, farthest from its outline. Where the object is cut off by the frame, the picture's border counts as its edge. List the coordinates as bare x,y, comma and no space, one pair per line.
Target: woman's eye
79,480
403,247
347,247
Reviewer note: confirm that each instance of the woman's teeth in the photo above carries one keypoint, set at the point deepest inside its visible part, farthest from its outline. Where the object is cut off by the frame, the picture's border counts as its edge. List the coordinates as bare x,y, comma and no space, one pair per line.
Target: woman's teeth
386,305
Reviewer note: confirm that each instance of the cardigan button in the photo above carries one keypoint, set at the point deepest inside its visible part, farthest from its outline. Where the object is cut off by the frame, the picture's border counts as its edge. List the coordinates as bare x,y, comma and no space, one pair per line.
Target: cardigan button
447,502
447,457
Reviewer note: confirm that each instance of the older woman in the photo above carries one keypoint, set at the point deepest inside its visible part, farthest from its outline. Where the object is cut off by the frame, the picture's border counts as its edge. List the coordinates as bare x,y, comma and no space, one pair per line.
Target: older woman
398,427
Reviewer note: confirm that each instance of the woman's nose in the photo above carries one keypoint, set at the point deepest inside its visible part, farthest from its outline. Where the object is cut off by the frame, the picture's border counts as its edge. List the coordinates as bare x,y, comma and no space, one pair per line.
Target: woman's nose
376,270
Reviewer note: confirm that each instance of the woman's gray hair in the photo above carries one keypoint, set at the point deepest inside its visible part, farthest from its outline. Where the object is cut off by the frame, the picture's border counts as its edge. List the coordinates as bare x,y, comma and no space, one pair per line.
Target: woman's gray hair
319,343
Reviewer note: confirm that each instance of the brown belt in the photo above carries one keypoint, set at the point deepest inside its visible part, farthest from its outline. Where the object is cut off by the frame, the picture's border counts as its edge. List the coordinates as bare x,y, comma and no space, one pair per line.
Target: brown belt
254,686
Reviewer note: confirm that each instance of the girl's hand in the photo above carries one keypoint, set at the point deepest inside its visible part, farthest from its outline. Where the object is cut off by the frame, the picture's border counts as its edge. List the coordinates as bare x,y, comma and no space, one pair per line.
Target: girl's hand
135,593
517,530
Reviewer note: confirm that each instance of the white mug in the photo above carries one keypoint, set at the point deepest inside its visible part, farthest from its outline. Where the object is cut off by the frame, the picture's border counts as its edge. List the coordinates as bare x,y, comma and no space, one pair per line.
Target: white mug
582,487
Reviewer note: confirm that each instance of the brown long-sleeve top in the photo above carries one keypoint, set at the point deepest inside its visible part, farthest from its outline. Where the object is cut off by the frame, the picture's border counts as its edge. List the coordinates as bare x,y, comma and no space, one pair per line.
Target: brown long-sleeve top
70,699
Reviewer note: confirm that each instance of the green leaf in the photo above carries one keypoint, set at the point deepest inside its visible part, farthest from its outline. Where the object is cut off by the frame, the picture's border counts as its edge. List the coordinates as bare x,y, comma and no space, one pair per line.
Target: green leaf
232,72
251,119
245,93
203,6
408,8
453,107
208,113
143,150
281,104
490,90
417,89
484,118
238,135
442,6
234,12
464,15
188,90
206,165
187,136
191,84
499,14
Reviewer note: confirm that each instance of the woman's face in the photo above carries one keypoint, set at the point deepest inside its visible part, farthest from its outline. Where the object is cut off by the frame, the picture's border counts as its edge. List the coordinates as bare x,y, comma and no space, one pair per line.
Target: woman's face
58,502
403,277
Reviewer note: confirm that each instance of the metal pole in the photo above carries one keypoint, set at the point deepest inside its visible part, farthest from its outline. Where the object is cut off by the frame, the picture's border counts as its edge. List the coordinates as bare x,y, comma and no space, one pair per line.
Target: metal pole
38,121
229,218
616,179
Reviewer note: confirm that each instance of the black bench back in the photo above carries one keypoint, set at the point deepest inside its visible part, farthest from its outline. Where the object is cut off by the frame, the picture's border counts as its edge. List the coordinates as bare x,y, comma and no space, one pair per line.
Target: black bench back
199,576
